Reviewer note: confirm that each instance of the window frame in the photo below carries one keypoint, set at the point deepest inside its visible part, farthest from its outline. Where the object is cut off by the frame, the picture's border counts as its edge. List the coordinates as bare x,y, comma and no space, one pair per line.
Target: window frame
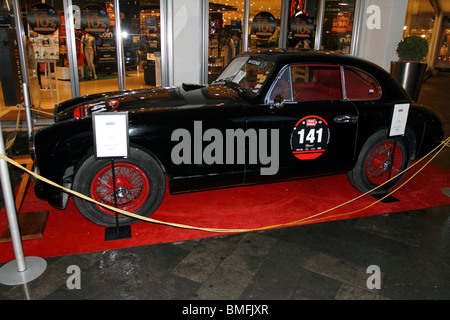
289,67
344,87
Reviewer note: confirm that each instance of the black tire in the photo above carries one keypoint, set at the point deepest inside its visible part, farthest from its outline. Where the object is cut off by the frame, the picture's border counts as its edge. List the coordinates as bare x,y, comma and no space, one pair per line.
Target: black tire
375,165
140,187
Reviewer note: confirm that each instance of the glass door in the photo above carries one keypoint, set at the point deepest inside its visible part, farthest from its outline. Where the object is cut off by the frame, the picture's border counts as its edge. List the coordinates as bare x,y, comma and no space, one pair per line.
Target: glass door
226,27
338,25
264,23
142,44
11,76
95,42
302,24
225,34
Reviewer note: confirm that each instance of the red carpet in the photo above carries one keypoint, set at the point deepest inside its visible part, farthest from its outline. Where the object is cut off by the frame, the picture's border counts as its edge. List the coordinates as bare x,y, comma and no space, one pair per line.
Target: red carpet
68,232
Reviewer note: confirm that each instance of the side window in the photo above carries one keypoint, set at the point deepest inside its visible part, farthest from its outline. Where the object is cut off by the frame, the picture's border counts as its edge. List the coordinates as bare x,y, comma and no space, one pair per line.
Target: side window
308,83
359,85
316,82
282,86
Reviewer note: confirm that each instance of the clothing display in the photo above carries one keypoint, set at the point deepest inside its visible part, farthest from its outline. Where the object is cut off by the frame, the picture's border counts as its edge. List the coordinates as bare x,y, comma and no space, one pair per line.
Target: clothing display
88,47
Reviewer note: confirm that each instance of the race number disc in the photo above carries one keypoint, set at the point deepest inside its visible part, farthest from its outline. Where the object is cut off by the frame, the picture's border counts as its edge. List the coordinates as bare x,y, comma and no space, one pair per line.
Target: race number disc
310,138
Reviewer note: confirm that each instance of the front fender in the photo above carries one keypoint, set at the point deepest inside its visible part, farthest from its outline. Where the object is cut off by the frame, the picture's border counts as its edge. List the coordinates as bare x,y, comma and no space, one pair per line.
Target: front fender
58,148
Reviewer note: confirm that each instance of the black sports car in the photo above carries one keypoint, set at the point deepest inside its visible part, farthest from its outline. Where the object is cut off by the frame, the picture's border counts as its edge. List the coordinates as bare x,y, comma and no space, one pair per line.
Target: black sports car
268,117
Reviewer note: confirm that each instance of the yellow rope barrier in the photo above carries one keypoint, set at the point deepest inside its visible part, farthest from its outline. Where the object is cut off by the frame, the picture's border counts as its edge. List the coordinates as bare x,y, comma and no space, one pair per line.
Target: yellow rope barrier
11,141
41,111
440,147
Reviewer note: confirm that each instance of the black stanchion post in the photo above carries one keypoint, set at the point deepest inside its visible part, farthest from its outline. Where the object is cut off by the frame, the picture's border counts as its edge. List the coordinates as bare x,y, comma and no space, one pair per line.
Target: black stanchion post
117,232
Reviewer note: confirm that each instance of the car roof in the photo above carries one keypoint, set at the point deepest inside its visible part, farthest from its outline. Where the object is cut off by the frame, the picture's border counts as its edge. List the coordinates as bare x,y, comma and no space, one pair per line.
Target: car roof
285,57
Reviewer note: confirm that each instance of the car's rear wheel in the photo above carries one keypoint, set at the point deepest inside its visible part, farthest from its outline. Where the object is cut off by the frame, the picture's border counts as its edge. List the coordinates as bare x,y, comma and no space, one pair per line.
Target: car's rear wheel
139,187
380,159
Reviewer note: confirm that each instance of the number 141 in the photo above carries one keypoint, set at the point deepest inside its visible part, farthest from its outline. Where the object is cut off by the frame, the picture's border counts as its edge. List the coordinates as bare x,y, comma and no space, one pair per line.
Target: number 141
311,136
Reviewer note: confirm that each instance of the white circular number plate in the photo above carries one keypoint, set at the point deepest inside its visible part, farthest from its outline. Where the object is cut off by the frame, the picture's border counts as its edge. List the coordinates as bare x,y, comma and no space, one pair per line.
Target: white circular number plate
310,138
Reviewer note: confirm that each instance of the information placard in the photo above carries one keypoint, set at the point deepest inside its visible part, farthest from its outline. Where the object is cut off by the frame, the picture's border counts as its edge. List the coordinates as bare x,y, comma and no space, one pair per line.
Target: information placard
111,134
399,119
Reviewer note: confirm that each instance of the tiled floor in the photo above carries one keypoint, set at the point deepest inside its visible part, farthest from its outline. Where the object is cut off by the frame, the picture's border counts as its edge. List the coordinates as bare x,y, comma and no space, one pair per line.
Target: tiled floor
410,252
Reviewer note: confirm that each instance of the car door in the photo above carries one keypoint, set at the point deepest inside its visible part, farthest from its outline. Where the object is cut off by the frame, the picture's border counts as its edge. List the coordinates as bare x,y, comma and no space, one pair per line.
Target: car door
198,140
316,127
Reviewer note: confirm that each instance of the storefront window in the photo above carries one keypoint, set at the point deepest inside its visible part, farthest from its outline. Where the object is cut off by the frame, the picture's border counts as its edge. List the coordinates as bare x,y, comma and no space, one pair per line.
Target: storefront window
444,54
302,24
225,35
11,76
338,25
142,47
264,24
419,20
226,26
96,52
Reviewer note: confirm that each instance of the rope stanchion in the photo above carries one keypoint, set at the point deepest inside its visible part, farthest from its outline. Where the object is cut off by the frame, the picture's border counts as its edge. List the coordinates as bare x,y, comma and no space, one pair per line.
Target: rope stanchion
313,218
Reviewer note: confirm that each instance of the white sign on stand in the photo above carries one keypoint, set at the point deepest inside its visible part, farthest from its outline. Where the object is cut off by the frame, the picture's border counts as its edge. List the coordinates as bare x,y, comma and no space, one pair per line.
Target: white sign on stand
111,134
399,119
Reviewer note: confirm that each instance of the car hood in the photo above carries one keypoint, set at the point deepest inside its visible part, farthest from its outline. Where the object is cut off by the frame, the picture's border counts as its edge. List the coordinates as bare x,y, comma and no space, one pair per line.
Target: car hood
185,96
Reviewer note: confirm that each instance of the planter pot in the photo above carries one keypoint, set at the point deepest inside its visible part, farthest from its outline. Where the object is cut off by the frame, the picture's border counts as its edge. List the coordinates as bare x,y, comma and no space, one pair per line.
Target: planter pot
409,75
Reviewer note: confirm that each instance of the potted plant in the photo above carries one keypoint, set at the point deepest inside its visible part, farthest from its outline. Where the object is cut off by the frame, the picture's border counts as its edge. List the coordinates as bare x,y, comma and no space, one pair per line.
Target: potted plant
410,70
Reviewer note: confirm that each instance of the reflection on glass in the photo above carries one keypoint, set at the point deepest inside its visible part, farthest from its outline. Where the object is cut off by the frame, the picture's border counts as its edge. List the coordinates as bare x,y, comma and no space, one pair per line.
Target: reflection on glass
225,35
302,24
11,76
95,40
419,20
226,24
338,25
142,47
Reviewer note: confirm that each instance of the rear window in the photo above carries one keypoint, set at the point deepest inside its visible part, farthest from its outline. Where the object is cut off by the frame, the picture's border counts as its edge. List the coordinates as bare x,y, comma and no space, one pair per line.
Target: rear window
359,85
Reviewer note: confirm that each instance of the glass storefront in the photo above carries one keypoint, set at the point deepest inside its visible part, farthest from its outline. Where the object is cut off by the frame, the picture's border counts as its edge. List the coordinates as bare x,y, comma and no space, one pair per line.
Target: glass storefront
226,27
338,25
424,21
419,20
444,54
290,24
95,45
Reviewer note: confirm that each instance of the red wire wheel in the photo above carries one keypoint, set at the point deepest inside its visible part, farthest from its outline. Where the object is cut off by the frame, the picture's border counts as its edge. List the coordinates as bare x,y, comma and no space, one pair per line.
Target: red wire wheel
383,162
139,187
131,187
378,162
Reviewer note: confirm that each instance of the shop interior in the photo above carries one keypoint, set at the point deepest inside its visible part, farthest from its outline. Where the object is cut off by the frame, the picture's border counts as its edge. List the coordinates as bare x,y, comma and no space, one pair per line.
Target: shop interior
49,78
95,36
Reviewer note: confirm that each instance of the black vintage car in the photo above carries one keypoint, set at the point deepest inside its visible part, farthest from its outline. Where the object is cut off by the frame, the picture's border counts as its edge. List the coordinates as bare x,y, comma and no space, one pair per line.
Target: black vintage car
268,117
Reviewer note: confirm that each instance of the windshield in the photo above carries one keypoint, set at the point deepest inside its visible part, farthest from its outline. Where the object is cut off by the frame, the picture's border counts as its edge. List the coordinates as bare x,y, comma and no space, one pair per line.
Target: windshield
248,72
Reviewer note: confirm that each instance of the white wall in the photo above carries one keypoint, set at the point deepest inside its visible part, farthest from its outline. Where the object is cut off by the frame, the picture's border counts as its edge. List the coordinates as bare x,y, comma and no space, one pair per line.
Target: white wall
187,36
379,45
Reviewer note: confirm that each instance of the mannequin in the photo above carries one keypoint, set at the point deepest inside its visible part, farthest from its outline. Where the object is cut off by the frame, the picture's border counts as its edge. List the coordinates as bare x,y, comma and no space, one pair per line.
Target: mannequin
89,49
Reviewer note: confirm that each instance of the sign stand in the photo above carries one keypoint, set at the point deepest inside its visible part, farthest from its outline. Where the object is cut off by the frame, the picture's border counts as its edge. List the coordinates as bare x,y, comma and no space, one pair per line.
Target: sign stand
111,141
117,232
21,270
398,127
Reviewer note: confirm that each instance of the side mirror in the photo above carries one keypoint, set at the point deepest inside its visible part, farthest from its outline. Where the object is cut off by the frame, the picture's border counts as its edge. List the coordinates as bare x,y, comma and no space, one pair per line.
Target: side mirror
278,102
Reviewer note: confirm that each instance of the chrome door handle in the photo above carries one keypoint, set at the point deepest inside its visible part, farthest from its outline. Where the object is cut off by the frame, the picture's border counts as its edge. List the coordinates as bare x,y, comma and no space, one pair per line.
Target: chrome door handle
346,119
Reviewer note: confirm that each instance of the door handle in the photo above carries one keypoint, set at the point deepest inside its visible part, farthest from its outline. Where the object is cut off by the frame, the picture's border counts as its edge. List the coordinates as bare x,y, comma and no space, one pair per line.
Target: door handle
346,119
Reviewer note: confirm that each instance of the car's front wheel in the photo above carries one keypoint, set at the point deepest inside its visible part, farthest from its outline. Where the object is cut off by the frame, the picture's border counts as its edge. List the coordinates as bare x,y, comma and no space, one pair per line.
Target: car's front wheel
139,187
380,159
